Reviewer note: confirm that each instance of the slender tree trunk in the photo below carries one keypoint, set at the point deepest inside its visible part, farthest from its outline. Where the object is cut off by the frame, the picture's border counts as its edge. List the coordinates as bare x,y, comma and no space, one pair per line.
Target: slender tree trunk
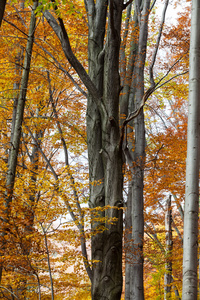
12,163
16,135
190,238
128,243
134,149
136,287
16,85
128,145
169,245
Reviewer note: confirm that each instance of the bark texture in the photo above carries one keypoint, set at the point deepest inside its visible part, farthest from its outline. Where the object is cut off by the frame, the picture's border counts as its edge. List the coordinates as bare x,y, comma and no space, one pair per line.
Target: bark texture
103,138
169,246
135,154
190,239
104,151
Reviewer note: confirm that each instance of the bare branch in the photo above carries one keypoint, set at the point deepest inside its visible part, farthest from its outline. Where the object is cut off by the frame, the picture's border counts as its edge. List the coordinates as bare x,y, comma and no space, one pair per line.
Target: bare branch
157,43
154,237
9,291
64,148
63,69
135,113
80,224
61,33
174,64
19,15
123,45
12,24
167,81
48,260
126,4
180,209
152,5
156,112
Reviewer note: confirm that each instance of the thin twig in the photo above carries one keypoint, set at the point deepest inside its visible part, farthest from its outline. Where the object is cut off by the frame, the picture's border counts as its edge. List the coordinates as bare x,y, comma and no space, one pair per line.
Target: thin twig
80,225
63,69
48,261
167,81
12,293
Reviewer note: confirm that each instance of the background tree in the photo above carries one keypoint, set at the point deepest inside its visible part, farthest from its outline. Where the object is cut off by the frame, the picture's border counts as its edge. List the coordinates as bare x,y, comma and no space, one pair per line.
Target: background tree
190,240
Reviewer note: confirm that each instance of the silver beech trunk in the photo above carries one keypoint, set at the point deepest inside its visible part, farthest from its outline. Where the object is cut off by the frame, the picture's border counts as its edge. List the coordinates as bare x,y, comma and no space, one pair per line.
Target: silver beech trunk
135,153
168,251
190,238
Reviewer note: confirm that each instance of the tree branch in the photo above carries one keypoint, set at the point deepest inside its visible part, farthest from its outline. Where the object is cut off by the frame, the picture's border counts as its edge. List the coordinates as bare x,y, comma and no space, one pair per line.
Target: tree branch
63,69
167,81
79,223
126,4
152,5
61,33
48,260
157,43
9,291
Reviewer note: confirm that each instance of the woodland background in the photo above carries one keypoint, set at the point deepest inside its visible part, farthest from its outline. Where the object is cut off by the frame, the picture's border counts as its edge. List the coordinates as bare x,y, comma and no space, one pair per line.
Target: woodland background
45,218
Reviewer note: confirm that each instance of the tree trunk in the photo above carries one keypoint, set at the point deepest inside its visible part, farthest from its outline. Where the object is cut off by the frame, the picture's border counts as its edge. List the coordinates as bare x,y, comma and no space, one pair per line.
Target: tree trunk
107,277
16,135
96,21
190,239
12,163
138,156
169,245
128,243
103,138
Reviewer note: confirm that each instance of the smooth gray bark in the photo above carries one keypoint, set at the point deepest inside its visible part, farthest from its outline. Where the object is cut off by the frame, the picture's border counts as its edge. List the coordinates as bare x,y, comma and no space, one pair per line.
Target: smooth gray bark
128,243
136,148
190,238
168,252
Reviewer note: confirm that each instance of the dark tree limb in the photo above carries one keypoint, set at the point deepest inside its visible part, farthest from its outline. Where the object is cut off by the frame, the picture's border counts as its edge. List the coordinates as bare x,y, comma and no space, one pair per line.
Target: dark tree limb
2,9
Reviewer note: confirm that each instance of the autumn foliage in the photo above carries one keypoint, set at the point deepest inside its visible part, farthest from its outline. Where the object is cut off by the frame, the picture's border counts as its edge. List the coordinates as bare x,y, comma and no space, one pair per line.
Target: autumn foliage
41,255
